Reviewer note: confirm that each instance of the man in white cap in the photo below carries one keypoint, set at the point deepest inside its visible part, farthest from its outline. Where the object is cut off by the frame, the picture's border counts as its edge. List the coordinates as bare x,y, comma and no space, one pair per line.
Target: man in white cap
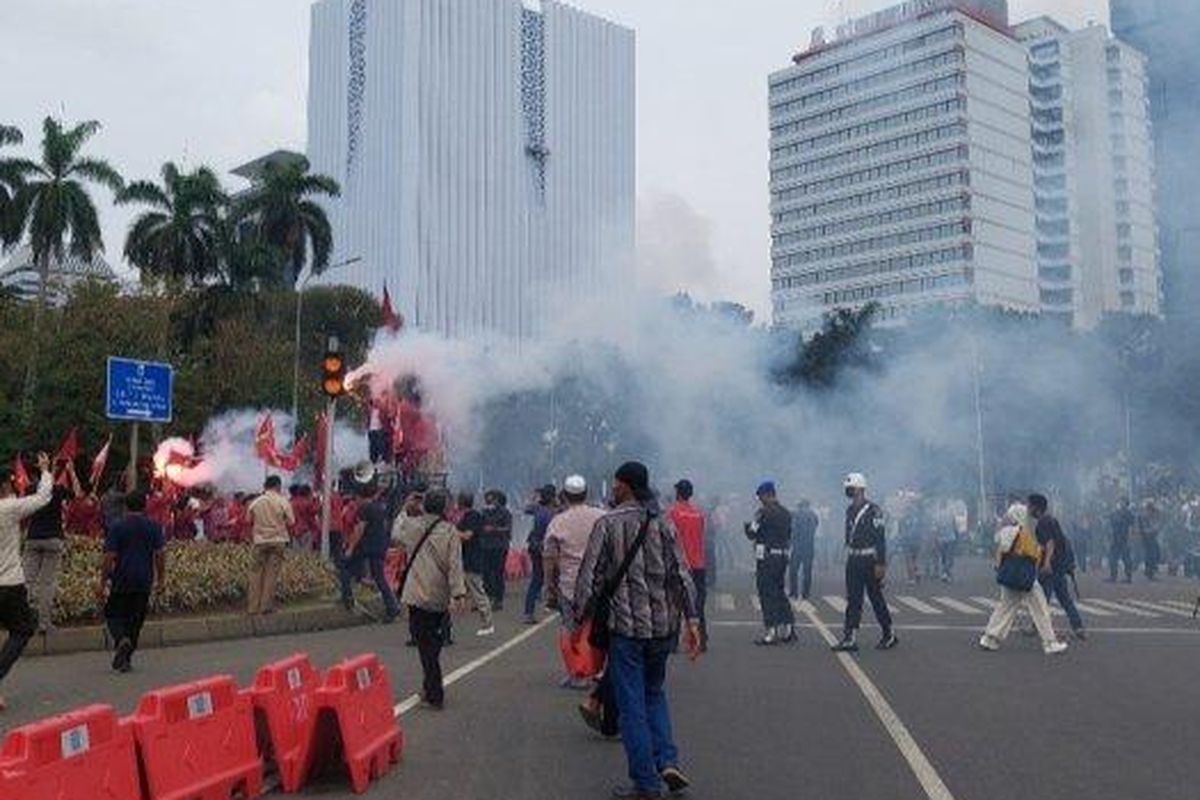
866,565
566,541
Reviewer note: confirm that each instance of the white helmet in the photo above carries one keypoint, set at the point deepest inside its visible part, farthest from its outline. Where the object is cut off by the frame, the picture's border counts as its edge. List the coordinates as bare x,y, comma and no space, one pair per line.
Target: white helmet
855,480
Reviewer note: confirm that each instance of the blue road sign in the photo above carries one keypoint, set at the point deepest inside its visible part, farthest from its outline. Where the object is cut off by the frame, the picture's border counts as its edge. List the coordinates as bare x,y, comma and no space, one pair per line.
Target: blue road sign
139,391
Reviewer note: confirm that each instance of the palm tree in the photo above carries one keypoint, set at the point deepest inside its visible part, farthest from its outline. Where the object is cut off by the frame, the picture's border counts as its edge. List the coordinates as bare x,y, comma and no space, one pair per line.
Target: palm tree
9,181
51,203
178,238
289,218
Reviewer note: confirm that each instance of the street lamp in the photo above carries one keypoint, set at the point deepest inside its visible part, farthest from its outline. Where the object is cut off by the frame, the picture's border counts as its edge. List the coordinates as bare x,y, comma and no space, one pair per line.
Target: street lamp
300,286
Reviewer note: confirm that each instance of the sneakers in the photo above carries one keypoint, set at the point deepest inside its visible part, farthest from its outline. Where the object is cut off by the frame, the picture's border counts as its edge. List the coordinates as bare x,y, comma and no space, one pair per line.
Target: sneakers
123,657
592,716
769,639
634,793
988,643
675,780
887,642
1080,634
846,645
1054,648
488,631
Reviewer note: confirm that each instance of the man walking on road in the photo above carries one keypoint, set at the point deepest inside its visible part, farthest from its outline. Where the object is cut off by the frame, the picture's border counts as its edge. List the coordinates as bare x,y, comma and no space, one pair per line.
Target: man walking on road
497,534
17,617
270,516
804,543
470,529
866,565
431,586
644,625
366,553
133,563
1121,524
690,524
542,510
771,533
1057,561
566,542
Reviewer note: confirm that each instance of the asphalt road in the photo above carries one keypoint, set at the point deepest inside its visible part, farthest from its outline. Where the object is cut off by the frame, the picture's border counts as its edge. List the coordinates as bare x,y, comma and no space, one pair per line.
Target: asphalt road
1113,718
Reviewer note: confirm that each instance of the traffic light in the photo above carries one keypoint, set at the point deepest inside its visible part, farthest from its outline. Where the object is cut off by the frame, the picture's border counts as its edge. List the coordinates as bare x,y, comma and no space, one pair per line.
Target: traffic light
333,370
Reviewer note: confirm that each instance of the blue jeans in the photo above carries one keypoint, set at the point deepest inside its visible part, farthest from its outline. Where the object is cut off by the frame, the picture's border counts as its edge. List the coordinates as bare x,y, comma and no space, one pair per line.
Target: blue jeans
537,576
352,569
1057,586
638,668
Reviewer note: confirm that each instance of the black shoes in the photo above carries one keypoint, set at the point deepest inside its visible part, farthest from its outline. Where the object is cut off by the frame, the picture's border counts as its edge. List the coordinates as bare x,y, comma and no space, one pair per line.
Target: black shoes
888,641
846,645
675,780
123,657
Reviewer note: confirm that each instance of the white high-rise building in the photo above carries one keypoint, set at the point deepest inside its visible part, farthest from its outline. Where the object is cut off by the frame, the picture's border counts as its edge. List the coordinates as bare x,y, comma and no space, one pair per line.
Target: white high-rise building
486,155
901,166
1093,173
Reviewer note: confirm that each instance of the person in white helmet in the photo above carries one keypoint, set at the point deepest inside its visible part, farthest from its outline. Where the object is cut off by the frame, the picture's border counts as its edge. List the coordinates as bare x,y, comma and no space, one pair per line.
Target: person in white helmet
866,565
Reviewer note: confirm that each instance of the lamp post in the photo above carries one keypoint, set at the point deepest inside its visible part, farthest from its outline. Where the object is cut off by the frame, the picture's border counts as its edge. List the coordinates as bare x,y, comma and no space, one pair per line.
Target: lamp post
300,286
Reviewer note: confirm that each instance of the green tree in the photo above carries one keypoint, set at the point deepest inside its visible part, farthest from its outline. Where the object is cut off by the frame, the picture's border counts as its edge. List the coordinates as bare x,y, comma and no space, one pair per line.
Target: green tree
10,180
178,238
842,342
52,205
288,217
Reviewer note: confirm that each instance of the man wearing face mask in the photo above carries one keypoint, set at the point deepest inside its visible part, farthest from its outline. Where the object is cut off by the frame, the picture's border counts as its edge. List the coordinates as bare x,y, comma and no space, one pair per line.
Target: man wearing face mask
866,565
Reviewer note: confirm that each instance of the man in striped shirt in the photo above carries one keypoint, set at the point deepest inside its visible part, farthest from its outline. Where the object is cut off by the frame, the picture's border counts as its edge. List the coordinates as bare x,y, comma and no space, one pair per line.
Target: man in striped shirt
644,622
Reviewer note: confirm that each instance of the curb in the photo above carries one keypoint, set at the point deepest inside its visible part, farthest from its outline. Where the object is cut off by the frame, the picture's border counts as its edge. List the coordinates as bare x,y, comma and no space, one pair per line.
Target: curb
195,630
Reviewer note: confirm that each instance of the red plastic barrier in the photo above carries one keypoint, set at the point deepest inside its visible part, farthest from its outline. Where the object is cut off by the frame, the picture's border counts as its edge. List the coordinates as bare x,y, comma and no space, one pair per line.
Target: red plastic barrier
86,753
517,565
285,696
357,697
197,742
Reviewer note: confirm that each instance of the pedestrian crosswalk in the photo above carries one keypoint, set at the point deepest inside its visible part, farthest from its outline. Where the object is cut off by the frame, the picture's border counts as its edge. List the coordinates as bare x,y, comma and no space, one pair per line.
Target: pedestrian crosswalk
911,607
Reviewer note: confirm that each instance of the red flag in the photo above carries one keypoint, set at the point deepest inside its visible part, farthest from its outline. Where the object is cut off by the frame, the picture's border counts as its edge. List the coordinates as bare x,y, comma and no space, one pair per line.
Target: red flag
99,463
69,449
20,478
391,320
264,439
292,460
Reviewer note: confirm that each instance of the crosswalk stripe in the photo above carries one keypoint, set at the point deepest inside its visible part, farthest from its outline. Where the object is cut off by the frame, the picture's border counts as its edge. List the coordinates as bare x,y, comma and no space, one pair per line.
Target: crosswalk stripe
984,601
1093,610
918,605
725,602
755,602
1163,607
803,606
956,605
838,603
1180,604
1129,609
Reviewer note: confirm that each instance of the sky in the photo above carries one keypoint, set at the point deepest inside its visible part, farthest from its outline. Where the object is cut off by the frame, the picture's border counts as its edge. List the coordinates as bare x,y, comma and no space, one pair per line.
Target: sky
219,82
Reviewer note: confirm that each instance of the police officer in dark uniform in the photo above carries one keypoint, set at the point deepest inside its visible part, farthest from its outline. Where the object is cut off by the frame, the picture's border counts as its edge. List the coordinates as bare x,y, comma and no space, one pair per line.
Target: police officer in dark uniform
866,565
771,533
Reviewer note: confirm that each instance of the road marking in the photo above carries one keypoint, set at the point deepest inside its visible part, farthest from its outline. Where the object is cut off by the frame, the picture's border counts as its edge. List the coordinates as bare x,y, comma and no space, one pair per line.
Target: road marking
803,606
725,602
412,701
1090,609
927,776
838,603
1186,606
969,628
755,602
1129,609
956,605
918,605
985,601
1166,609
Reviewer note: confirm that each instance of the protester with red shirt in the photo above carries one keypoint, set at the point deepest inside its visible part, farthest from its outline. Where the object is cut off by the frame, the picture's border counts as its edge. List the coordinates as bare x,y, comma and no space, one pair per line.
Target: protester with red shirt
689,523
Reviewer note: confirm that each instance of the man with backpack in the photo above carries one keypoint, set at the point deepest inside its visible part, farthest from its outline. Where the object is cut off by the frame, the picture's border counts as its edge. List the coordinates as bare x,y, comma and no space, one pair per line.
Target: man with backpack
1058,562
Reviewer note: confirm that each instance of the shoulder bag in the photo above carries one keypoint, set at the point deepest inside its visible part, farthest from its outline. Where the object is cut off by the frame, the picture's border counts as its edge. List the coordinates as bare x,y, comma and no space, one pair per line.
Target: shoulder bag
1016,571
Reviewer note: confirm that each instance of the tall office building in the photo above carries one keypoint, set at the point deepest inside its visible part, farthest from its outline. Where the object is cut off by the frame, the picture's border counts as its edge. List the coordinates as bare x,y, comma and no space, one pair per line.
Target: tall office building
901,166
1093,173
1167,32
486,155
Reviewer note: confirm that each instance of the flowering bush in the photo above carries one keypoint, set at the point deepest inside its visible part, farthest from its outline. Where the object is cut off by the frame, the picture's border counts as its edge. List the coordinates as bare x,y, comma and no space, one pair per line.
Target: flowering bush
200,576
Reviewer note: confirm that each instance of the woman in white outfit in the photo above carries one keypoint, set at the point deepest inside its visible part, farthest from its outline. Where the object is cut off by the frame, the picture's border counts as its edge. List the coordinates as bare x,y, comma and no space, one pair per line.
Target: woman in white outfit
1012,600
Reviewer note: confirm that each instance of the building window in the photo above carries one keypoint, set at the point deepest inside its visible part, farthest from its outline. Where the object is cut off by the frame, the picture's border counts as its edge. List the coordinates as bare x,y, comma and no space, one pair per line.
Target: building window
533,95
357,82
1126,275
1126,299
1045,50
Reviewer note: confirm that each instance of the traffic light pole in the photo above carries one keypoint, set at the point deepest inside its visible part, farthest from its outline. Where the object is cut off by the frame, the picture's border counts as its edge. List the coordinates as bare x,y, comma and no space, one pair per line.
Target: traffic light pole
327,479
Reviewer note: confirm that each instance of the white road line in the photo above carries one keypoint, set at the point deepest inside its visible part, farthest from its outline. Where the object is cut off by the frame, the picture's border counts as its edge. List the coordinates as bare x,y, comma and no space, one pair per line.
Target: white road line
412,701
1129,609
1181,631
1090,609
1166,609
984,601
918,605
802,606
837,603
1179,603
927,776
756,603
956,605
725,602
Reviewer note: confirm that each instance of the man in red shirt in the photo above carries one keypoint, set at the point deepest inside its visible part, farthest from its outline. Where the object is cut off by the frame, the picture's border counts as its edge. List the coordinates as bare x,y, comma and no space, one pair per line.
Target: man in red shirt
689,523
